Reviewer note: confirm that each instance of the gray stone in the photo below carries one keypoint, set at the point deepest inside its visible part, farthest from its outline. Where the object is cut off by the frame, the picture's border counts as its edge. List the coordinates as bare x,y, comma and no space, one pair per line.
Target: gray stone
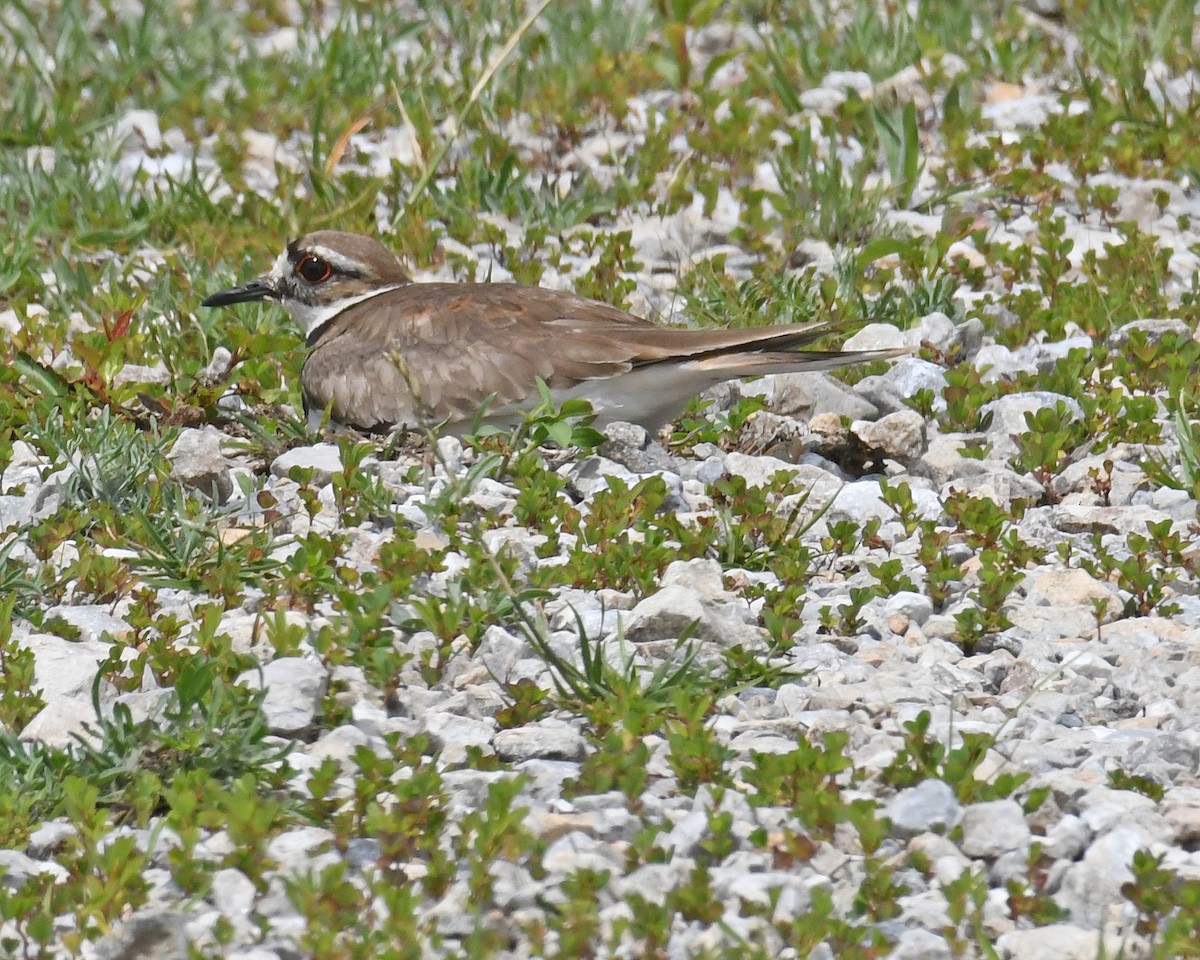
1177,92
943,460
918,944
1181,810
341,743
700,575
1176,503
18,511
707,471
673,611
803,396
947,860
1072,518
653,881
218,365
363,851
930,805
232,893
370,718
451,913
910,84
899,435
197,462
862,501
1059,941
92,620
324,459
303,849
577,851
1156,330
632,446
295,687
573,611
1166,748
993,828
16,869
64,668
1103,809
684,838
936,329
758,471
515,542
539,741
1060,588
449,455
142,705
1067,839
788,895
888,391
914,606
150,934
589,476
1091,886
49,839
60,722
499,651
821,101
1087,238
994,481
469,789
996,362
515,888
137,130
1021,113
1047,355
857,81
445,729
877,336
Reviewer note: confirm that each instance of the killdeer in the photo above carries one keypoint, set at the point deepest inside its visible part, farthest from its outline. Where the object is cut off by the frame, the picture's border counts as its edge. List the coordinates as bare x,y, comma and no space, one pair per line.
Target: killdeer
388,352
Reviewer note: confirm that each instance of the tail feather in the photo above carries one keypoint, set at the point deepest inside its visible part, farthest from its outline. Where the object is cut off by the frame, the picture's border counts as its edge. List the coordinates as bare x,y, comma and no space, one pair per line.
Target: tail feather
741,364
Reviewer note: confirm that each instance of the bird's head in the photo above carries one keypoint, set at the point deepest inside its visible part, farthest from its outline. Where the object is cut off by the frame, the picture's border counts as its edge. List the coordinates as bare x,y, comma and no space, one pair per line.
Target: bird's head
319,275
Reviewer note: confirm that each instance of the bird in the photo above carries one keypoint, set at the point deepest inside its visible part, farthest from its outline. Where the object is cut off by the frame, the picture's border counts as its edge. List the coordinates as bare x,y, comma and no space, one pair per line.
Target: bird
387,352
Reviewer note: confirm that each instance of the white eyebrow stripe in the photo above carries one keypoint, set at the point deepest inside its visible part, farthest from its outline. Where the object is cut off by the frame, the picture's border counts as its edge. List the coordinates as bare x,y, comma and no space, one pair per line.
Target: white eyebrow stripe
339,261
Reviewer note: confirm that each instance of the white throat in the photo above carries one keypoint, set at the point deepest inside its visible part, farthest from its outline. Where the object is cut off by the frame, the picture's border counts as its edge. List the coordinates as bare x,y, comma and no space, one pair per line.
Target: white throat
311,318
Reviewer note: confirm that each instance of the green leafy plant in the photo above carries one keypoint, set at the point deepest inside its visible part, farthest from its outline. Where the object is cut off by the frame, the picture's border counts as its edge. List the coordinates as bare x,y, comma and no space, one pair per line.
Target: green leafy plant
20,700
807,780
606,689
924,758
565,425
821,195
205,725
1168,906
695,753
1182,406
1145,569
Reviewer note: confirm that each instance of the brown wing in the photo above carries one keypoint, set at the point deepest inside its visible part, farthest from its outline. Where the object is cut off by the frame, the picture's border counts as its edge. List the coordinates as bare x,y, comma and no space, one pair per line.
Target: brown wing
428,352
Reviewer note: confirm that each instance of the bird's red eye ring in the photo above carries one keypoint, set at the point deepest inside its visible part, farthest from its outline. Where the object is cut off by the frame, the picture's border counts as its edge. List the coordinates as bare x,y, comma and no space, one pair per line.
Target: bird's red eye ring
313,269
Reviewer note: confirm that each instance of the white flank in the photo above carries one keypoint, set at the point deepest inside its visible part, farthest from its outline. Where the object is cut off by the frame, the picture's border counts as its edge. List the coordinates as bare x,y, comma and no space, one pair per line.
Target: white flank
310,318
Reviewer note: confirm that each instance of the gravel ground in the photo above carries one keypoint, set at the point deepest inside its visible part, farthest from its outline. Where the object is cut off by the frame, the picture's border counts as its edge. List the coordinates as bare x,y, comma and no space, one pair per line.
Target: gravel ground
1060,642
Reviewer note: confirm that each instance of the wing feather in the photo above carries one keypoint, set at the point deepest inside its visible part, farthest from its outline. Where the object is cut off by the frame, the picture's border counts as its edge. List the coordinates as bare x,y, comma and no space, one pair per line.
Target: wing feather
427,352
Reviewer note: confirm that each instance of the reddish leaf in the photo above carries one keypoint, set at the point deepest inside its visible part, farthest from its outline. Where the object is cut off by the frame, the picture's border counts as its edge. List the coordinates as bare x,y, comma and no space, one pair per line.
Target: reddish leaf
121,327
94,382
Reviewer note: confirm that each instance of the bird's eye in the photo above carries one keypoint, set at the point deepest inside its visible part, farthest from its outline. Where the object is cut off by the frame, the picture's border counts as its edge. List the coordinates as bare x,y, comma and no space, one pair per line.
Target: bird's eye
313,269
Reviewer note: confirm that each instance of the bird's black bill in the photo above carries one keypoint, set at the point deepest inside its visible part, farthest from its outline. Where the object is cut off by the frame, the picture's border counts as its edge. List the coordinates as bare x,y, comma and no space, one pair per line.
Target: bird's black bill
259,289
